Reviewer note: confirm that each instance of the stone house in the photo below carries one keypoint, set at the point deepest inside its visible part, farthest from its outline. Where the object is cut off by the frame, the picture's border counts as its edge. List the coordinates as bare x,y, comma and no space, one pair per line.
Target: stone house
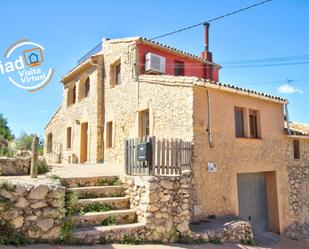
133,87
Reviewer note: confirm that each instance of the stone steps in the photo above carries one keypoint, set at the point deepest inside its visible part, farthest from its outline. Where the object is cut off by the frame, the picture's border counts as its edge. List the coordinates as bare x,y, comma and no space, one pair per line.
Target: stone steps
98,191
115,232
114,217
107,215
111,202
73,182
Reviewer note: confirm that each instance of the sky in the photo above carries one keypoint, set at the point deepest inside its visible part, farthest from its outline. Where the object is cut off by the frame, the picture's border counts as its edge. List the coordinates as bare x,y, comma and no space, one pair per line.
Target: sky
69,29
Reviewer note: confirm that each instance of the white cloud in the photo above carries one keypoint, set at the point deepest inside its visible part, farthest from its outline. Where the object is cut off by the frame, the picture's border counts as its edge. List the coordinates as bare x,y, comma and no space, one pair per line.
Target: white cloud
288,89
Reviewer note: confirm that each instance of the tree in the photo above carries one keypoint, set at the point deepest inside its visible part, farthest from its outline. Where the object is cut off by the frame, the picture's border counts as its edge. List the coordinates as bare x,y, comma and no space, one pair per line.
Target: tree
5,131
24,142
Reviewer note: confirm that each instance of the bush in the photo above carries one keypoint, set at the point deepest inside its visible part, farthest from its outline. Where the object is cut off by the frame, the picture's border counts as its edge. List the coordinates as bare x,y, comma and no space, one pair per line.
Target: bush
24,142
42,168
6,151
9,236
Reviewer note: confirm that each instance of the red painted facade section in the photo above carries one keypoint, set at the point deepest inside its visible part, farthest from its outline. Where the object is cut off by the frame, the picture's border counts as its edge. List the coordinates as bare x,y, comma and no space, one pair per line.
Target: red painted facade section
191,67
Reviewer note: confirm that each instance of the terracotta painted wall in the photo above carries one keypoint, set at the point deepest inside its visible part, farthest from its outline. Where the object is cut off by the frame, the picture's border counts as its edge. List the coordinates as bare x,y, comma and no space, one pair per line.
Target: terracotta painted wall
217,192
192,67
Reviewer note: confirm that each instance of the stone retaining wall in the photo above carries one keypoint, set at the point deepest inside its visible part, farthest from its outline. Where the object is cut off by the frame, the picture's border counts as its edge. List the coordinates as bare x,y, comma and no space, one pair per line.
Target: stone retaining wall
14,166
37,211
164,204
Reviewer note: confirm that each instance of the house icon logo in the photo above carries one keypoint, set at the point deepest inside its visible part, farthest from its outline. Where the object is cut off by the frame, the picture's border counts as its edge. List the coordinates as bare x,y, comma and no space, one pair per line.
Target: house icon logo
26,66
33,57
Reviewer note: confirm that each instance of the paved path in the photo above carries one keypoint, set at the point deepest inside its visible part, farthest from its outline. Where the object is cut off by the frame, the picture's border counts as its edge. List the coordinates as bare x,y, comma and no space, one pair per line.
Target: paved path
283,244
83,170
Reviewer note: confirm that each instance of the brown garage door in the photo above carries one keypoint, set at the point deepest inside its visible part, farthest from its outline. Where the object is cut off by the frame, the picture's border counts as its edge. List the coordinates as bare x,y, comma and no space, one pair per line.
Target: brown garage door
252,200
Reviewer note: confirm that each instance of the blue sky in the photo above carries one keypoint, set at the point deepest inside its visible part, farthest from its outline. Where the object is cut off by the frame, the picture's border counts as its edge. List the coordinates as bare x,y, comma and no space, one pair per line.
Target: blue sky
69,29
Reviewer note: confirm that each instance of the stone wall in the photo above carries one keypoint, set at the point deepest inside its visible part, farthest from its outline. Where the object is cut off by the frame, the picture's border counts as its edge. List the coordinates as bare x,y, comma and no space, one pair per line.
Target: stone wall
169,103
298,173
164,205
14,166
37,211
84,110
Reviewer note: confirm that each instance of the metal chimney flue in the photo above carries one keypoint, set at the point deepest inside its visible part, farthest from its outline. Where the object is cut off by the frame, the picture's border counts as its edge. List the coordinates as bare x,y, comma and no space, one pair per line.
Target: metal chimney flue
206,54
206,33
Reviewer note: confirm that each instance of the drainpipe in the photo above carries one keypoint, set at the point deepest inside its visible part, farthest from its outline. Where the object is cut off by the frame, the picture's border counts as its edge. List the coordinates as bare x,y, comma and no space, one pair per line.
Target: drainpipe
287,118
210,142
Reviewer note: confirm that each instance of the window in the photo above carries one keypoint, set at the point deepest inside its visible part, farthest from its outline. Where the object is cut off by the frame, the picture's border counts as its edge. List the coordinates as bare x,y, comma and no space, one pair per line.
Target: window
109,134
115,73
74,95
296,149
84,88
87,87
69,137
144,123
49,142
179,68
253,122
71,97
118,74
239,122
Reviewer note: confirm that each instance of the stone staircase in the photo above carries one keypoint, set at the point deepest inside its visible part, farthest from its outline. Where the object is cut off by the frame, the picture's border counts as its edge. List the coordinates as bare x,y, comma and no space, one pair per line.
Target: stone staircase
105,210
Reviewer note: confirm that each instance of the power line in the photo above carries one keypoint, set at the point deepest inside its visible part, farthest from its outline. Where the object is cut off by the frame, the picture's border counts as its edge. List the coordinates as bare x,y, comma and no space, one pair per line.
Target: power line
269,59
275,82
213,19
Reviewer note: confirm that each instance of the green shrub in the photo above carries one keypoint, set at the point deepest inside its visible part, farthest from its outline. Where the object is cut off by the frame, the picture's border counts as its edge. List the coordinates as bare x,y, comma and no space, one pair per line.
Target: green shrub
130,240
9,236
6,151
66,231
42,168
71,204
111,220
96,207
108,182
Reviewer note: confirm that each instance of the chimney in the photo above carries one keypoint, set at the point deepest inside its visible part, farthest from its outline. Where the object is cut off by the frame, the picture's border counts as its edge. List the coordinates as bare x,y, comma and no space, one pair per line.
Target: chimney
206,54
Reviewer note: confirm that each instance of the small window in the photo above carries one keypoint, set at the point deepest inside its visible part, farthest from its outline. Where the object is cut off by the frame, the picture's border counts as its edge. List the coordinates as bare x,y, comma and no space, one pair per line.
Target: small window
87,87
253,122
296,149
239,122
69,137
84,88
49,142
115,73
144,124
109,134
118,74
179,68
74,95
71,95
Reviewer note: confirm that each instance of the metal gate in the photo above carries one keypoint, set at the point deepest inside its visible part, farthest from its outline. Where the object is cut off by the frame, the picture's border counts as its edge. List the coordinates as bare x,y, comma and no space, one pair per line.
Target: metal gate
252,200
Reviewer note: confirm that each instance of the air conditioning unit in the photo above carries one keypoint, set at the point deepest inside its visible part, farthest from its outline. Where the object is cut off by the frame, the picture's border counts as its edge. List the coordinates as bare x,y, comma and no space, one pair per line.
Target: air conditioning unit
155,63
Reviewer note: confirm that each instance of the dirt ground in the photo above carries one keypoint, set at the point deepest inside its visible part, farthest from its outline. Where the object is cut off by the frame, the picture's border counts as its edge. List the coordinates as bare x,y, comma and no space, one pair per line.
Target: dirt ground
282,244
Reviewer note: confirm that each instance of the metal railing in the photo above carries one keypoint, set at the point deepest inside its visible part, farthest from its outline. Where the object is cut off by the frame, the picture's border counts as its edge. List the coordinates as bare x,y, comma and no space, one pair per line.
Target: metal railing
168,157
93,51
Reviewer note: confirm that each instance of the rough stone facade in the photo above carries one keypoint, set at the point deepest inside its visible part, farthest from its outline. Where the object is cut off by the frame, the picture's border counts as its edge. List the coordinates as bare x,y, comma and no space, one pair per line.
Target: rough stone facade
84,110
37,211
298,173
14,166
